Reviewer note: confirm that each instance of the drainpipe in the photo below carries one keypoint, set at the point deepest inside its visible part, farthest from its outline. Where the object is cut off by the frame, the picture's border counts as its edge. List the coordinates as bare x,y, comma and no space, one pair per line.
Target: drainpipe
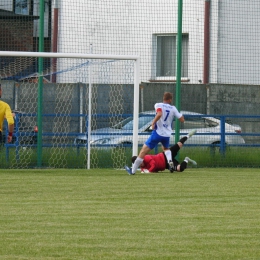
55,37
206,42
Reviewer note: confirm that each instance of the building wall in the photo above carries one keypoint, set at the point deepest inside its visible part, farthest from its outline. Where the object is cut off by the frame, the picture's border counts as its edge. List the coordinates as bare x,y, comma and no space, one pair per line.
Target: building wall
128,28
16,35
238,52
234,99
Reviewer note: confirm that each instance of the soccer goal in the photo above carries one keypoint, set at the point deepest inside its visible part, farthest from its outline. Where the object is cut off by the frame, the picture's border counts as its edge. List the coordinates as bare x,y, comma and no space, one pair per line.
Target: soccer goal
70,109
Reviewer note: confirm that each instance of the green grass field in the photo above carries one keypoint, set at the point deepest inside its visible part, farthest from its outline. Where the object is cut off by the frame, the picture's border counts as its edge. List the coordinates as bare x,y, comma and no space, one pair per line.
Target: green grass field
72,158
106,214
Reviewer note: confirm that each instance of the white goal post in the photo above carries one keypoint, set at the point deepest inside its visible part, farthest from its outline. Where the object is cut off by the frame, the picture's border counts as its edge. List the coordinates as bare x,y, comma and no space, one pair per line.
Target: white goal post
134,58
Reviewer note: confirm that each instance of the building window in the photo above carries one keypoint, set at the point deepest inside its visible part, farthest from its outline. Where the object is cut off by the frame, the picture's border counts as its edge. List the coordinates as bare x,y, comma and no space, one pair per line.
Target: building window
166,56
22,7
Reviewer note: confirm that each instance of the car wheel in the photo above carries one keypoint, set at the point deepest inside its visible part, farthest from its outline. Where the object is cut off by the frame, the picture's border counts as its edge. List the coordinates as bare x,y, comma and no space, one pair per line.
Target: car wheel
215,147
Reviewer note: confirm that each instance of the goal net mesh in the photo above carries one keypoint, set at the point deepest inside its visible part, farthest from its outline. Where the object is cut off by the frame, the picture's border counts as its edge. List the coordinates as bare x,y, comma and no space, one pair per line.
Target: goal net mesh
87,100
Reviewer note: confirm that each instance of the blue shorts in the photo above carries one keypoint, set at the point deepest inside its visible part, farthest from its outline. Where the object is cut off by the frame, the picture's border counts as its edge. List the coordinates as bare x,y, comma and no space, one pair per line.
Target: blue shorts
154,139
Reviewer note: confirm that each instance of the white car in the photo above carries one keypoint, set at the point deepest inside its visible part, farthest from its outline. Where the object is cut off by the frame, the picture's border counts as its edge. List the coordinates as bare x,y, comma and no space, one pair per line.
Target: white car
208,131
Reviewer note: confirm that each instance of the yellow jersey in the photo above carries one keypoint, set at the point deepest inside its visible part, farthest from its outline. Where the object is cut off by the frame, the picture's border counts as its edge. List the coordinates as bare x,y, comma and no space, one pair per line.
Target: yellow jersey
5,112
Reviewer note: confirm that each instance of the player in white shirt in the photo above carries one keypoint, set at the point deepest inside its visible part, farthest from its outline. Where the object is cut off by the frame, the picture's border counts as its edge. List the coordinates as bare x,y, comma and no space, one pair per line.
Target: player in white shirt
162,130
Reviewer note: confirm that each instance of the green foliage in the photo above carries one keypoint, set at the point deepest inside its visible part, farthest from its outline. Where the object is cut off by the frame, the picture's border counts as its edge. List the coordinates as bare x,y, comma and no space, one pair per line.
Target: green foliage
107,214
106,158
233,156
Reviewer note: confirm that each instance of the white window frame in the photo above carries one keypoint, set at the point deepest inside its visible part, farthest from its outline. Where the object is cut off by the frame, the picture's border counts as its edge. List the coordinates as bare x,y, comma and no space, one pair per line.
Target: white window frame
158,49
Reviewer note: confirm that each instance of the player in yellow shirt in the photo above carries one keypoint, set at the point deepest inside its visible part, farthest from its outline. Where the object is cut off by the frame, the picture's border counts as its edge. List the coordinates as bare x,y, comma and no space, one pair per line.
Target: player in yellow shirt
5,112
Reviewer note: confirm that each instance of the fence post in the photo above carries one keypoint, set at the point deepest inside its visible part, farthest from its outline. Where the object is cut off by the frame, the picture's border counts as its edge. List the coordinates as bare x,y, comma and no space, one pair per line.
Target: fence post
222,135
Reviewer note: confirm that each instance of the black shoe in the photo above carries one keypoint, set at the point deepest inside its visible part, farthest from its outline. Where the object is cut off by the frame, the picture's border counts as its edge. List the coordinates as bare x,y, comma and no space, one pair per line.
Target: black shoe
171,169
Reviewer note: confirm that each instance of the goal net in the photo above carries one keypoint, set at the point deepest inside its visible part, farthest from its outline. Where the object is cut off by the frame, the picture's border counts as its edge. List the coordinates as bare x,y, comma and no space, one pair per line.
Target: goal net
70,109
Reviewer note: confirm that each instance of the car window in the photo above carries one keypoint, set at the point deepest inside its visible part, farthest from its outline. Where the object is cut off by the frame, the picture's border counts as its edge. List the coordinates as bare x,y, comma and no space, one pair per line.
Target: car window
122,123
211,123
197,123
143,120
127,124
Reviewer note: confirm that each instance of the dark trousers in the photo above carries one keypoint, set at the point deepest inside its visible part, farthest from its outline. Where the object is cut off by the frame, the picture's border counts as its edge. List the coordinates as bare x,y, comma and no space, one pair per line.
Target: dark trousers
174,149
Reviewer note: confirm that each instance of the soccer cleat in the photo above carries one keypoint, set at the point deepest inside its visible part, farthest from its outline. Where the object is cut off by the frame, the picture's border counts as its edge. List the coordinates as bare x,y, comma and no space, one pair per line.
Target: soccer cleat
171,169
129,170
192,132
191,161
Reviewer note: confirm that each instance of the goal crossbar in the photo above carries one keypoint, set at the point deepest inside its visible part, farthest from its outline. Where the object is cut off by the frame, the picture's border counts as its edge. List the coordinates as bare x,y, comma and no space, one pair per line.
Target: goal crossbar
67,55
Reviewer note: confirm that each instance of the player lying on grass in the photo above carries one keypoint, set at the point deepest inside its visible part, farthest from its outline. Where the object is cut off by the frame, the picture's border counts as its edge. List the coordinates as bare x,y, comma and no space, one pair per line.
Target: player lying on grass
158,162
162,130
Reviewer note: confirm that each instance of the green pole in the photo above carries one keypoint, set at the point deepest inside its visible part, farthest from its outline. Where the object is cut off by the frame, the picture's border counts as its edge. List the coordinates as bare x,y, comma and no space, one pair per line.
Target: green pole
178,70
40,85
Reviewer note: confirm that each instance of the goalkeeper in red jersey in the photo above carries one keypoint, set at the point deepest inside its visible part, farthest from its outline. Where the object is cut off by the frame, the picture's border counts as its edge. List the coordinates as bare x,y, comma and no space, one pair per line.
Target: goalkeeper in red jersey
158,162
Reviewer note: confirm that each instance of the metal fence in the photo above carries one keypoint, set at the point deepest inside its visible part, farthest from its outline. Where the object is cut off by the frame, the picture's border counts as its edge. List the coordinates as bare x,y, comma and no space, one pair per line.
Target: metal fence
217,136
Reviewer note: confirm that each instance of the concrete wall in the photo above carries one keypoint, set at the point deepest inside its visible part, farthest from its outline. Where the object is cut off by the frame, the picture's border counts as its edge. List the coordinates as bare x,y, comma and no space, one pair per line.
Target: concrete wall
69,99
234,99
237,100
193,97
73,98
